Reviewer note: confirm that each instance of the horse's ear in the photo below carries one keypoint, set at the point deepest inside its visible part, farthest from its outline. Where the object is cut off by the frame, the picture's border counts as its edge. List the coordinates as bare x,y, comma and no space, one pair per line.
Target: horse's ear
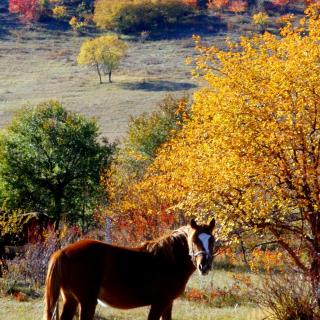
212,224
193,224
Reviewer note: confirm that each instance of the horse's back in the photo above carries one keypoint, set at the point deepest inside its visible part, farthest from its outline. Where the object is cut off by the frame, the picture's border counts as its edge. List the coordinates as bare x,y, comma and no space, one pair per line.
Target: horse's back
121,277
102,261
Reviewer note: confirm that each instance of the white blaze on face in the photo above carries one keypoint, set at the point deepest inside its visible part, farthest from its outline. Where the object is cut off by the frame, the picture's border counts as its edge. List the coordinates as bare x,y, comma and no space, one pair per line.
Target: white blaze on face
102,304
204,238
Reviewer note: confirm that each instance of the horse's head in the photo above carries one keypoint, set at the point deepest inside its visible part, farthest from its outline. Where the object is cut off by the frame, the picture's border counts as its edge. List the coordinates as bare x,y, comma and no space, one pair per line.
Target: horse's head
201,245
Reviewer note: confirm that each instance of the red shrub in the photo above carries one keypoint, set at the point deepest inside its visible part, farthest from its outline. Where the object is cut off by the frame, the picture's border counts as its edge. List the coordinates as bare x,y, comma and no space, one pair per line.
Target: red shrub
27,9
218,4
135,227
238,6
192,3
280,3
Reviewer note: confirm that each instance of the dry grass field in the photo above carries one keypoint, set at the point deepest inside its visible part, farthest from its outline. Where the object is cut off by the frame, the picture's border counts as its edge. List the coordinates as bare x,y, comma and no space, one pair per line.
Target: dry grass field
183,309
40,64
36,67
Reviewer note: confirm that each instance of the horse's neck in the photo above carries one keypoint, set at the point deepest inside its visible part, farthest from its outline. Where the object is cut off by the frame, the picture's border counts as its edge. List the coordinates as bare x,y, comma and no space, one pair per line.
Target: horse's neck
184,248
173,248
180,237
183,230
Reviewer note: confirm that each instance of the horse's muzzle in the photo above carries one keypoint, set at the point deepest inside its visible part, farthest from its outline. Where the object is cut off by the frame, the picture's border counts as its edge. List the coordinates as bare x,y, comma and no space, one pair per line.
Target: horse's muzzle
204,268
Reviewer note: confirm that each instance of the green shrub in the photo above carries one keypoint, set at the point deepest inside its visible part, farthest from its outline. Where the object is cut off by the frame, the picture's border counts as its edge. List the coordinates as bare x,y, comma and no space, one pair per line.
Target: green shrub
145,134
50,162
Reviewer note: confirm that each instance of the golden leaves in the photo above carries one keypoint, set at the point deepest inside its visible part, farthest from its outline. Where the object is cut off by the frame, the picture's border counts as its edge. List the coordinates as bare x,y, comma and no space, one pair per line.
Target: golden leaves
104,49
250,150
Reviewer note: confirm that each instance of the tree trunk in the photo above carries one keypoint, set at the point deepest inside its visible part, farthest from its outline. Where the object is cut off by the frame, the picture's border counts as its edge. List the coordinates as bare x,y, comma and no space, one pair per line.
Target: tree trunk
99,73
244,253
58,208
109,77
315,276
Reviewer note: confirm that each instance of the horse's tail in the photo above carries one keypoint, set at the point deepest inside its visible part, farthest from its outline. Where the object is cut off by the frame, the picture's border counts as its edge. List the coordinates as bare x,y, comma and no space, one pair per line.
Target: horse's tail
53,283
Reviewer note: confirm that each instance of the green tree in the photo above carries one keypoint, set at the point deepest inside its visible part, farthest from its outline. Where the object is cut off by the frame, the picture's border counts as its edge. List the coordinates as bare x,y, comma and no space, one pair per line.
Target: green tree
146,133
50,162
103,53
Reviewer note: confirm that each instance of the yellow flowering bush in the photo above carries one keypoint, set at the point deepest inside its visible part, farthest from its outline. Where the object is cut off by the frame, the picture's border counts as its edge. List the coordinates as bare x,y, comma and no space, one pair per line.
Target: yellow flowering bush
77,25
260,18
59,11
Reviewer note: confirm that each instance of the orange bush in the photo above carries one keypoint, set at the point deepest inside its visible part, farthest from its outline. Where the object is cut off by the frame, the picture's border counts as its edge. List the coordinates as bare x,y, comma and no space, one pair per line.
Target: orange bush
194,294
237,6
218,4
192,3
266,259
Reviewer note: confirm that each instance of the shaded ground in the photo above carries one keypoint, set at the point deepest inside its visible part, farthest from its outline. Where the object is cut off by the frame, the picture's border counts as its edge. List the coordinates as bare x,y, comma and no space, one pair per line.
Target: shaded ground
202,25
158,85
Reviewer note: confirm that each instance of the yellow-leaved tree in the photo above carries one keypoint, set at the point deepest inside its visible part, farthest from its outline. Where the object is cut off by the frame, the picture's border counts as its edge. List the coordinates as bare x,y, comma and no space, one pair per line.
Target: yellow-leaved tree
251,150
127,16
102,53
106,11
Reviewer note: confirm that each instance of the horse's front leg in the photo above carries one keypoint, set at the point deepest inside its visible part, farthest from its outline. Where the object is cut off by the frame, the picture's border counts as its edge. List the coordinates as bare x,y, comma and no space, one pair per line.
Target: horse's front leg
159,309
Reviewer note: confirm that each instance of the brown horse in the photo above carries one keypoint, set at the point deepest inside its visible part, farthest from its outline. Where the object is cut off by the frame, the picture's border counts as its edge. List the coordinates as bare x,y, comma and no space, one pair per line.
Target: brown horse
154,274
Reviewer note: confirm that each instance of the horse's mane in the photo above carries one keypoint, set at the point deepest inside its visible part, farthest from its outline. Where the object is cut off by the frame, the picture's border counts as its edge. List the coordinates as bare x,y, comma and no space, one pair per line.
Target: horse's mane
167,245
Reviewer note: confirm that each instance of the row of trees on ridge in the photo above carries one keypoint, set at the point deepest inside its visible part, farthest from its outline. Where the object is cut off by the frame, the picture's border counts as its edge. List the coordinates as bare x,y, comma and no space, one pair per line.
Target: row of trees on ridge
132,16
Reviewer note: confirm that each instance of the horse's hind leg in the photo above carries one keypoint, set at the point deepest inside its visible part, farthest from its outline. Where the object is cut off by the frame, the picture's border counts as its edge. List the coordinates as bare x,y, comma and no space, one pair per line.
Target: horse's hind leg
69,308
87,310
166,315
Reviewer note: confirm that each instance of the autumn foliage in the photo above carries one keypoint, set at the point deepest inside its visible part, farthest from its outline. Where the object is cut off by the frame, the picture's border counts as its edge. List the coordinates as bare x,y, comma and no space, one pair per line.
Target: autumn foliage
140,15
237,6
145,136
103,54
146,133
28,10
250,152
218,4
280,3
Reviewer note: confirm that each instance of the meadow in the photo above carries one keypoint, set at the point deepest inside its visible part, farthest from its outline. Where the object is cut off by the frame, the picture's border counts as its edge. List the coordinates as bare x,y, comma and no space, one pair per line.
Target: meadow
38,65
184,308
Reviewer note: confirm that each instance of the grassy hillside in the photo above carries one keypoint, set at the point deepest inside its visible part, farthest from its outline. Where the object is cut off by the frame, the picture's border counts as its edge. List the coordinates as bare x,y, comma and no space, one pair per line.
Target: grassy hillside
38,67
39,63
